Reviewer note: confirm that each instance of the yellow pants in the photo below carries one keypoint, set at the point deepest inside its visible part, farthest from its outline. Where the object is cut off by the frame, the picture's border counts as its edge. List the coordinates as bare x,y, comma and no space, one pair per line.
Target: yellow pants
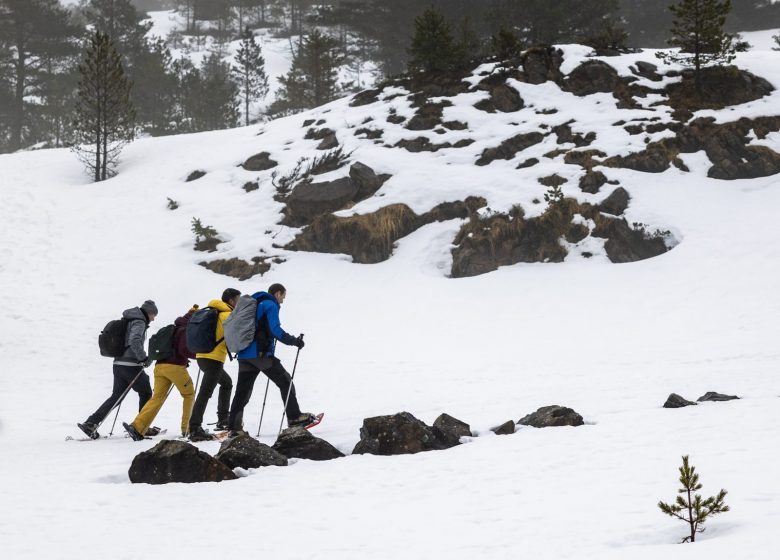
166,375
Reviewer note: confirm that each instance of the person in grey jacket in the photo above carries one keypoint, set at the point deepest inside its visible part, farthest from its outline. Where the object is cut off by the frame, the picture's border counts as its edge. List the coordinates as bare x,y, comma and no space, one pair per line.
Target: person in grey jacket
129,367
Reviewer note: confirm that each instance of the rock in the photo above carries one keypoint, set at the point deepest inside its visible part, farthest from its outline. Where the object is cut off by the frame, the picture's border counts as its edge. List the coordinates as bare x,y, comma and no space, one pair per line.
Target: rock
502,98
711,396
647,70
329,142
398,434
554,180
576,233
505,429
530,162
455,125
541,64
450,430
250,186
299,443
676,401
549,416
590,77
366,180
509,148
616,203
592,181
567,136
177,461
195,175
719,87
365,97
248,453
656,158
308,200
238,268
318,133
259,162
625,244
427,117
308,122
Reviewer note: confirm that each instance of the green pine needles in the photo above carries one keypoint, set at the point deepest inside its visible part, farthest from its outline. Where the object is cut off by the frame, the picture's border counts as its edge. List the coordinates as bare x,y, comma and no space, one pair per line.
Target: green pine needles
691,507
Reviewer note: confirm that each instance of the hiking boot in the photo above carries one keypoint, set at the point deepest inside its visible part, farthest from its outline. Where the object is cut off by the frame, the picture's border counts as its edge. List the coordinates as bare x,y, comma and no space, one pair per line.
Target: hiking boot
130,429
199,434
303,420
90,429
153,431
221,425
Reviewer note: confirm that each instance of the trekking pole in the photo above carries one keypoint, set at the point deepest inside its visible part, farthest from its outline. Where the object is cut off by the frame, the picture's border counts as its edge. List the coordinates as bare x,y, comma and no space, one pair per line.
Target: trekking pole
289,389
262,412
197,382
118,404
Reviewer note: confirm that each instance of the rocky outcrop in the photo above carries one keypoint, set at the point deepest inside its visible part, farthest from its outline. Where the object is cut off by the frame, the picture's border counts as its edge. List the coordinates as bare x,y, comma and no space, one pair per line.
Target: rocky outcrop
625,244
366,97
259,162
299,443
238,268
567,136
592,181
502,98
542,64
676,401
719,87
449,430
177,461
329,142
590,77
195,175
616,203
505,429
369,238
247,453
428,116
509,148
549,416
712,396
399,434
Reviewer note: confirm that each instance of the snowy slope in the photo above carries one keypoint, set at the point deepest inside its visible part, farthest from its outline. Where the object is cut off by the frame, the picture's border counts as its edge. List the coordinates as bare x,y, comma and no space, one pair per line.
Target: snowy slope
611,341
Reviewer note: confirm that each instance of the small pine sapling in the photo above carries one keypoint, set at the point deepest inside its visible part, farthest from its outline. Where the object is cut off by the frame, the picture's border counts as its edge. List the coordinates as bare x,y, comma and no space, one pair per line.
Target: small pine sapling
208,233
172,204
554,195
777,40
690,507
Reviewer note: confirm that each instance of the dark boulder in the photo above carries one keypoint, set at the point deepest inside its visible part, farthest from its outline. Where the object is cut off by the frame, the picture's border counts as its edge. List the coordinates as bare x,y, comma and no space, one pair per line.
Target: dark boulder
647,70
329,142
509,148
549,416
576,233
718,87
195,175
177,461
676,401
541,64
247,453
505,429
365,97
502,98
590,77
450,430
366,180
592,181
530,162
625,244
308,200
616,203
259,162
299,443
398,434
712,396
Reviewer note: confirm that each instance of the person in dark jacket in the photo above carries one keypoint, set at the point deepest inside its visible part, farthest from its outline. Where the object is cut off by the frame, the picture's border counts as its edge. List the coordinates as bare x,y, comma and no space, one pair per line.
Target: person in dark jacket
171,371
259,356
129,367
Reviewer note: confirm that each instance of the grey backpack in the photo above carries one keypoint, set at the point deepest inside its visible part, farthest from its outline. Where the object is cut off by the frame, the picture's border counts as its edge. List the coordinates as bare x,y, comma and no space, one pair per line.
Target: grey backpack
239,327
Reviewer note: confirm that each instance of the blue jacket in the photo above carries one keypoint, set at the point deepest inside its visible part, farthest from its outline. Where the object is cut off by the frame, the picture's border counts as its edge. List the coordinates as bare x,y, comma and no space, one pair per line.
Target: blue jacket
267,308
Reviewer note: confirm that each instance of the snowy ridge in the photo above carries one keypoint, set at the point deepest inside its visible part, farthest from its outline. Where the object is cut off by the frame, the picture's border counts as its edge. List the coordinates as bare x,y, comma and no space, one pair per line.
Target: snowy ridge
610,341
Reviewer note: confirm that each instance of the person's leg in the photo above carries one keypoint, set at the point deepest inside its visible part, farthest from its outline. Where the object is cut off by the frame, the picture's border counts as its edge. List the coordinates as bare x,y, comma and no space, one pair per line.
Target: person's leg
210,370
184,384
283,380
148,413
121,380
223,400
247,373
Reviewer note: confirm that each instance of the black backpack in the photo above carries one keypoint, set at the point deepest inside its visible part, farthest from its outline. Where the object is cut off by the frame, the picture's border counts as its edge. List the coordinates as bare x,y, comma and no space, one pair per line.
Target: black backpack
202,331
112,338
161,343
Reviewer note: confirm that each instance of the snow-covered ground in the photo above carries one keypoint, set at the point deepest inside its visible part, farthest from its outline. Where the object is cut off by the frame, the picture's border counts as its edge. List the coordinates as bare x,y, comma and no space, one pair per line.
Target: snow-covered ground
611,341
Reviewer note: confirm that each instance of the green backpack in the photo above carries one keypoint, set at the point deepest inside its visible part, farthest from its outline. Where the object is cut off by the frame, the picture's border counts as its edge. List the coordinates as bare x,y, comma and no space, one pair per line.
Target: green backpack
161,343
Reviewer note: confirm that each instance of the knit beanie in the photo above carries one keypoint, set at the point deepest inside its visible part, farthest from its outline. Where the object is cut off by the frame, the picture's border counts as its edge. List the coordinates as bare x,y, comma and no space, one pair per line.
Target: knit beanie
149,307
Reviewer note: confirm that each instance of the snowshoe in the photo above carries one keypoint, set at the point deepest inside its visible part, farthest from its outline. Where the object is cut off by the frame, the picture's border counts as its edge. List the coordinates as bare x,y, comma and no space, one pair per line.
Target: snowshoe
199,434
89,429
132,432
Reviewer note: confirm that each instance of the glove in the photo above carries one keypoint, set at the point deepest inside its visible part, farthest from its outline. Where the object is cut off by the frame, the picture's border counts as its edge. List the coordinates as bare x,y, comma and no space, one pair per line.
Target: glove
147,362
299,342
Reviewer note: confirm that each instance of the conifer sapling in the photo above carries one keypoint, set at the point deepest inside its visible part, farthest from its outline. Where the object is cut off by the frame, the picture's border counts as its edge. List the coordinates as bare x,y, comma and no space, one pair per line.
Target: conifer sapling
691,507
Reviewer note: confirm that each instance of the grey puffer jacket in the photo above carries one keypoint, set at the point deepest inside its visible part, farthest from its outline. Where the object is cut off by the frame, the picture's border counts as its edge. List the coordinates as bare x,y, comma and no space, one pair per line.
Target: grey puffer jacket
135,336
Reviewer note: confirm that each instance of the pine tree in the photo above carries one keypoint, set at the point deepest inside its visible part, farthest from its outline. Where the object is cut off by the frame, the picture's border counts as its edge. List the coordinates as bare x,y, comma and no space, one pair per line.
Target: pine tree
433,46
690,507
209,96
104,113
250,71
505,44
698,31
313,78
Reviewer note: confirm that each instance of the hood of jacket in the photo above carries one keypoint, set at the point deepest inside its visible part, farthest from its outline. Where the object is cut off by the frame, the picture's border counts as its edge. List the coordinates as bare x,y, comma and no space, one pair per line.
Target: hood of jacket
220,306
261,296
135,313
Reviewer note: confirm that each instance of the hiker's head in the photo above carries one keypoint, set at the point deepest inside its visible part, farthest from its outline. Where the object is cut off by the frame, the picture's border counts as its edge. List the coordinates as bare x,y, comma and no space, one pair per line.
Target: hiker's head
230,296
150,309
278,291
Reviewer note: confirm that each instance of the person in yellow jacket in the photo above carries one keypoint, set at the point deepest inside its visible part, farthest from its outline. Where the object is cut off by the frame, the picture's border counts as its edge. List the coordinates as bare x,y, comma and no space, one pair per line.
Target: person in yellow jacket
167,372
212,364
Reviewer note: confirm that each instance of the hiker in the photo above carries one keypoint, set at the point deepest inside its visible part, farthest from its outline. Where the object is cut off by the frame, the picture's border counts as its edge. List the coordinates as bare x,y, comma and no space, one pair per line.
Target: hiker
259,356
168,371
212,364
129,366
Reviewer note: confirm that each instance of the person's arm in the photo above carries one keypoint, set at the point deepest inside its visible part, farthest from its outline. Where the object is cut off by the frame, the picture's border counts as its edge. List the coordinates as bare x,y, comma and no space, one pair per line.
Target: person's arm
135,339
275,326
181,344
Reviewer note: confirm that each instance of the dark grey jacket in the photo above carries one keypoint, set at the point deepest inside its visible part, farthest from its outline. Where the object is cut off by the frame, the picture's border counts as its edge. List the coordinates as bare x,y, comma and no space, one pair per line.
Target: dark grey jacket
134,338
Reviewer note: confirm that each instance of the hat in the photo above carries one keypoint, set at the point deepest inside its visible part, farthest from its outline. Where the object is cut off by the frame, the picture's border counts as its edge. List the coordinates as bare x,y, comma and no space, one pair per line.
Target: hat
149,307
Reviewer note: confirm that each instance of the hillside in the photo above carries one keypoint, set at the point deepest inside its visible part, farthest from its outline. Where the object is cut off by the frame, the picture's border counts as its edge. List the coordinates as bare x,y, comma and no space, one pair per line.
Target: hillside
391,326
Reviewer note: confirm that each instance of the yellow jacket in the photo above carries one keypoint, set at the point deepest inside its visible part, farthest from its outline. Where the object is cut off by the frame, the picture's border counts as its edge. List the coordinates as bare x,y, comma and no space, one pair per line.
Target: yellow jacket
220,350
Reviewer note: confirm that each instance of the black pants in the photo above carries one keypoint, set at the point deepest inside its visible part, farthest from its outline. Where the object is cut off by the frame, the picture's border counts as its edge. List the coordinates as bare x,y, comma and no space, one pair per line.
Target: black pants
123,376
248,370
213,373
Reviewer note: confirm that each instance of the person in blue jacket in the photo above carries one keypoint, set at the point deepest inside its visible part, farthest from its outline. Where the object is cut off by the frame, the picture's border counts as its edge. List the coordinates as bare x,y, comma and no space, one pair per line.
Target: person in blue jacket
259,357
